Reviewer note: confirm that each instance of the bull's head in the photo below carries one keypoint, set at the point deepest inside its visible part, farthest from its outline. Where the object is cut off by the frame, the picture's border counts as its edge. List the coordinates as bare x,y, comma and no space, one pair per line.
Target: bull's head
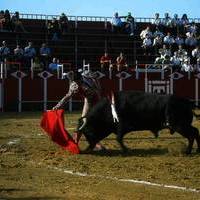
90,131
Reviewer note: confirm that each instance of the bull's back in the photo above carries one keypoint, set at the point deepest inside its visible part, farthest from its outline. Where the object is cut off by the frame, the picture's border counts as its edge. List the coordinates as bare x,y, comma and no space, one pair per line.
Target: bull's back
142,110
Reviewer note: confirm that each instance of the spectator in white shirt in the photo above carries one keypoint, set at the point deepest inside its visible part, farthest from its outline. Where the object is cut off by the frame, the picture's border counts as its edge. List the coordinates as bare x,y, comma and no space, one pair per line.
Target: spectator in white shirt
156,21
117,23
186,66
144,32
175,61
147,44
196,55
181,52
157,43
164,51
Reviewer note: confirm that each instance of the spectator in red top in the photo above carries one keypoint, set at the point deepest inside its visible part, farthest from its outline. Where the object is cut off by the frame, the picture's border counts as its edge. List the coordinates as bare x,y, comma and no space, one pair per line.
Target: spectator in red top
105,61
121,62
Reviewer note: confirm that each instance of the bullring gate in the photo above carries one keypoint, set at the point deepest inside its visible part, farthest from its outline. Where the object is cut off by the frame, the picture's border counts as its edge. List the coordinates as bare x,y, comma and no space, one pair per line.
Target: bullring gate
20,91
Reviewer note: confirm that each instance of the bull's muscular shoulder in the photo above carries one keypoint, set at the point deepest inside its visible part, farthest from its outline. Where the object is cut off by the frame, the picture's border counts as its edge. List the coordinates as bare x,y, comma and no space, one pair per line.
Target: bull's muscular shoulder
140,96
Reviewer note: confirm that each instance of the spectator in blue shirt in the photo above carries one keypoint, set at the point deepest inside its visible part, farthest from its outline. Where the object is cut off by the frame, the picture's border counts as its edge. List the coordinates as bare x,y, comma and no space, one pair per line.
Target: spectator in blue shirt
29,54
4,51
54,65
45,54
117,23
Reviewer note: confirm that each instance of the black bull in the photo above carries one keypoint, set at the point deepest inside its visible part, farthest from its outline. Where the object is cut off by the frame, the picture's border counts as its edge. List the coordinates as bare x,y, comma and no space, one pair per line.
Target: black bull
140,111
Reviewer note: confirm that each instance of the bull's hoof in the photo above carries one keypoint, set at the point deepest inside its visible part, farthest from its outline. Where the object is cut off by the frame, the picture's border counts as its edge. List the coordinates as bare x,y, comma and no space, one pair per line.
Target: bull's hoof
99,147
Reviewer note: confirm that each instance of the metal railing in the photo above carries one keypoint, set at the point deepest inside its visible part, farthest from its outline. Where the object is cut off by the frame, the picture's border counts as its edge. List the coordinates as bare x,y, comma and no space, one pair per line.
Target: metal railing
90,18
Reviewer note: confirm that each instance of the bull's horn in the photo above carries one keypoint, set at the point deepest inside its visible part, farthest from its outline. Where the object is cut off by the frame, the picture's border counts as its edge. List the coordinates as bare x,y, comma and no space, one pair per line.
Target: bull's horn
84,123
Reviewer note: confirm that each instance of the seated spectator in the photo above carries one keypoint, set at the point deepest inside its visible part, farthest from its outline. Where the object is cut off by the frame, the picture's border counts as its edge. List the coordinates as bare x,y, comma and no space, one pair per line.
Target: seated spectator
7,23
168,40
190,41
105,62
156,22
192,28
18,54
2,20
121,62
167,23
157,43
53,66
181,52
63,23
45,54
117,23
179,40
165,53
16,23
163,61
158,32
130,24
53,28
186,66
176,62
4,52
29,54
147,45
196,55
37,65
145,32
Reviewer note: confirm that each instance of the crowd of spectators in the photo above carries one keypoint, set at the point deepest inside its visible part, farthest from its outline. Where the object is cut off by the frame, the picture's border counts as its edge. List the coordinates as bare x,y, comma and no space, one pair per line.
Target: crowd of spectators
164,38
57,27
117,64
172,41
10,23
27,56
121,24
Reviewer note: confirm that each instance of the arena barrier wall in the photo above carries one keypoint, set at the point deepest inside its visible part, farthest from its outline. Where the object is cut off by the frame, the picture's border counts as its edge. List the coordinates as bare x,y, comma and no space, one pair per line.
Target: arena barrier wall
19,91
